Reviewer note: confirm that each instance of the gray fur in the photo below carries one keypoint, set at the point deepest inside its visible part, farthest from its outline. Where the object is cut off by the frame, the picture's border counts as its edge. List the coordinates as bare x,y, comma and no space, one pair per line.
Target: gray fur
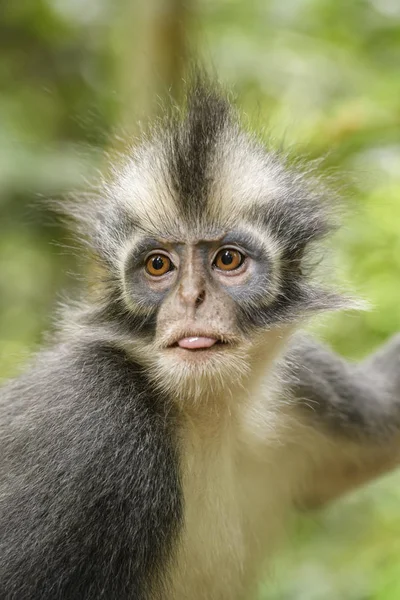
354,400
91,501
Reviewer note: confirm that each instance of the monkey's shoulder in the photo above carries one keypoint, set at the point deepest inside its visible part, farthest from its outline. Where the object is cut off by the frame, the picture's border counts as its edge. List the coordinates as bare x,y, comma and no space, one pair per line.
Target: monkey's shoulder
90,478
82,374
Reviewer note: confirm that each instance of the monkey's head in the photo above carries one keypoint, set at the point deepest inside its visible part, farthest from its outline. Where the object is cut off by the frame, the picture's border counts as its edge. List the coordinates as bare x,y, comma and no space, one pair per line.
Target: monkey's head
202,234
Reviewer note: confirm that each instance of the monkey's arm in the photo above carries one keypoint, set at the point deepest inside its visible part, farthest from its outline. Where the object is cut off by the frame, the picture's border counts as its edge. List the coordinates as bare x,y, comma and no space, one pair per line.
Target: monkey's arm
353,412
89,486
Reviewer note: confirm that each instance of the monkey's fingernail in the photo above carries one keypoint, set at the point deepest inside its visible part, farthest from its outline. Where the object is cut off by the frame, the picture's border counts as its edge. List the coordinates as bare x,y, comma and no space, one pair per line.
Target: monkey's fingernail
196,343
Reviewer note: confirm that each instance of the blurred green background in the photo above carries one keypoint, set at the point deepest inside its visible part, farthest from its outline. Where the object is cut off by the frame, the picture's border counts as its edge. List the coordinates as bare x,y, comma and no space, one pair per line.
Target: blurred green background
323,75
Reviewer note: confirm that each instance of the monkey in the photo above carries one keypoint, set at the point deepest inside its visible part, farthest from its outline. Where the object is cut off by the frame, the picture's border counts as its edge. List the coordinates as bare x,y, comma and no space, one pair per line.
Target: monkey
157,445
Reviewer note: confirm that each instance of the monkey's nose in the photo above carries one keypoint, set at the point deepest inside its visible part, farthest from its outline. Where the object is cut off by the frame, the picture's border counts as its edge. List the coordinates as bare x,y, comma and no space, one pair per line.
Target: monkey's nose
200,298
192,296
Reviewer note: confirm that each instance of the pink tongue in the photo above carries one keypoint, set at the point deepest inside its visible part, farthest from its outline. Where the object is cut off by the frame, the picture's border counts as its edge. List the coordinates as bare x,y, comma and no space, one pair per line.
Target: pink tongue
194,343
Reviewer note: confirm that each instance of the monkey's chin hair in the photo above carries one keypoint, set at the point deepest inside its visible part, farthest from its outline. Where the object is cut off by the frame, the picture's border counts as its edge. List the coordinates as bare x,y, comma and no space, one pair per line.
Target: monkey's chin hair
201,376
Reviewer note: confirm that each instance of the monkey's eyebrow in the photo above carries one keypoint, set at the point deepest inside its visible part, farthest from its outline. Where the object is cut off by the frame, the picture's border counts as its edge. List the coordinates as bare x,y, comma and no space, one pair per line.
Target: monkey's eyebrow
140,247
248,242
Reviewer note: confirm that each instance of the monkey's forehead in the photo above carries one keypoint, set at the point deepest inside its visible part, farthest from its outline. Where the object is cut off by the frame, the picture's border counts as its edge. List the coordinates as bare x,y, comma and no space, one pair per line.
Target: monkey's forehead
165,189
203,173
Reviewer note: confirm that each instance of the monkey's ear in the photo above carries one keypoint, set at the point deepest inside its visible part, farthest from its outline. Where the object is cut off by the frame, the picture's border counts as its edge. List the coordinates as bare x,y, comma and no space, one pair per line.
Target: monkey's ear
296,301
318,299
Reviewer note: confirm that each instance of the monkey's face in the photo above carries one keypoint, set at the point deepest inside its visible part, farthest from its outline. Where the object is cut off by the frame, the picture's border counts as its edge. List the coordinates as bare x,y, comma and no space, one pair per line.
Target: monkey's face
204,233
202,292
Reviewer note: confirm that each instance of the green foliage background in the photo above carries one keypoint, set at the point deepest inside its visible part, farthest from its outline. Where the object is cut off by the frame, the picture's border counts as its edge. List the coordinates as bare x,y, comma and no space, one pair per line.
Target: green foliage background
324,75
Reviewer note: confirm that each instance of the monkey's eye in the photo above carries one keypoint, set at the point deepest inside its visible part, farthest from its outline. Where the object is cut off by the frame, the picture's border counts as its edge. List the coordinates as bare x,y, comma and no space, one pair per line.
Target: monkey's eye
228,259
158,264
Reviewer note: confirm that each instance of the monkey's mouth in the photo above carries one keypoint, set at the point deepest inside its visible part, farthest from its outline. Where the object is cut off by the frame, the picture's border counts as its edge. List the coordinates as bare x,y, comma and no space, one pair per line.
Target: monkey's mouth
198,343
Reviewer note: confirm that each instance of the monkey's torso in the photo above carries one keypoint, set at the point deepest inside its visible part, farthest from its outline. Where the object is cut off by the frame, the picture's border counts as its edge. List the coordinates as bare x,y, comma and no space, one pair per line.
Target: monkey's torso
107,493
235,502
243,476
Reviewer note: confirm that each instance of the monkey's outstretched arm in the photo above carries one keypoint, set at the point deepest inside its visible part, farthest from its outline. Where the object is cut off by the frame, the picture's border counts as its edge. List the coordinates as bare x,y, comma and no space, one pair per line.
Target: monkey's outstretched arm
353,412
